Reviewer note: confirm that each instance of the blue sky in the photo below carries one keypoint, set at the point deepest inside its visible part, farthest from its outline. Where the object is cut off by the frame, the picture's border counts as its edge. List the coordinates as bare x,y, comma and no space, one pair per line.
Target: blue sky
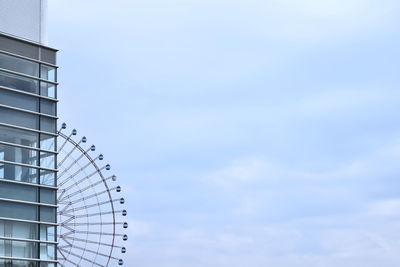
245,133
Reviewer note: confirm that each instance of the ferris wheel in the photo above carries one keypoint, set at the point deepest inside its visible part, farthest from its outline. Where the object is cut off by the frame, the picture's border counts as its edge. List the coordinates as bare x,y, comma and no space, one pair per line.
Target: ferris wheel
90,231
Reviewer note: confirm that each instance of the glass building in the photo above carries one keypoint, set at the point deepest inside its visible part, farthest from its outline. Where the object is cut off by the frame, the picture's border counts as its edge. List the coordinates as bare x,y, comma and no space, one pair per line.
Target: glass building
28,157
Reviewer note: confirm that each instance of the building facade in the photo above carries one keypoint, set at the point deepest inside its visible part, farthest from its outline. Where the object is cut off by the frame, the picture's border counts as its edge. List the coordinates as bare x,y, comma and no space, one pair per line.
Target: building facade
28,126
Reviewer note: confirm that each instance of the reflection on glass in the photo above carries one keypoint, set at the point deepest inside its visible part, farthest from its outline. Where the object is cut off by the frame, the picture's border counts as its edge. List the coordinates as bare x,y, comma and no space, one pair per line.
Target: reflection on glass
19,65
18,192
18,230
47,177
48,89
18,173
19,118
17,154
17,136
20,83
47,107
47,124
18,211
18,249
48,73
47,214
47,142
47,160
47,252
13,99
47,196
47,233
17,263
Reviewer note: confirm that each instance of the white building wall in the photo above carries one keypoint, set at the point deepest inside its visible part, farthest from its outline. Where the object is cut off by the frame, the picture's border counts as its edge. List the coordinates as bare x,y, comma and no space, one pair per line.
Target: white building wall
24,18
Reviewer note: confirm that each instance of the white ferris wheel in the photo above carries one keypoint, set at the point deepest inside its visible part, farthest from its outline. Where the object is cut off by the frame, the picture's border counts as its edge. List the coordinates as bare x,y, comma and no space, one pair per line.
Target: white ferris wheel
90,210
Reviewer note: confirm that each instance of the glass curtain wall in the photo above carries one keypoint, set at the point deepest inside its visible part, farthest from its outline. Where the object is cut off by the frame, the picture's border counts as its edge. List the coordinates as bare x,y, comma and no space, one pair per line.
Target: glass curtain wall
28,158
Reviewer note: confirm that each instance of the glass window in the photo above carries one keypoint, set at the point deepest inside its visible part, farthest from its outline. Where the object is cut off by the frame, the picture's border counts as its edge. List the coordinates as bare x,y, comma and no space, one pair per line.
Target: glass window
47,160
19,155
47,124
18,192
48,142
18,173
18,249
48,89
47,177
47,107
18,230
47,264
47,214
47,233
47,252
47,196
18,82
18,100
19,65
48,73
17,136
19,118
17,263
18,211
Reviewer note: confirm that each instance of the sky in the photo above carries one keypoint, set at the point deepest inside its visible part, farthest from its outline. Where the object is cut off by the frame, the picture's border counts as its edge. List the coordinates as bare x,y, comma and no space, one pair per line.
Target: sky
244,133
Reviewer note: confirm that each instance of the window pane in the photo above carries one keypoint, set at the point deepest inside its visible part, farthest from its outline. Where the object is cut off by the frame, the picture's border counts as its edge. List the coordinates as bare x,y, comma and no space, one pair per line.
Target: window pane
47,196
19,65
48,73
19,118
17,263
18,192
18,100
18,211
18,249
20,83
47,214
48,142
47,160
47,252
47,107
18,230
47,177
47,233
19,155
17,136
18,173
47,124
48,89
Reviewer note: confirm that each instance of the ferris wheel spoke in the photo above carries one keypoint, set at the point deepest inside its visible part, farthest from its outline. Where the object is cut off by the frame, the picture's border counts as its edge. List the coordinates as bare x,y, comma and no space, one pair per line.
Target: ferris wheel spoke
97,233
94,252
62,211
68,154
63,257
75,174
85,188
92,242
93,195
92,205
80,257
66,139
66,241
70,217
62,182
95,223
